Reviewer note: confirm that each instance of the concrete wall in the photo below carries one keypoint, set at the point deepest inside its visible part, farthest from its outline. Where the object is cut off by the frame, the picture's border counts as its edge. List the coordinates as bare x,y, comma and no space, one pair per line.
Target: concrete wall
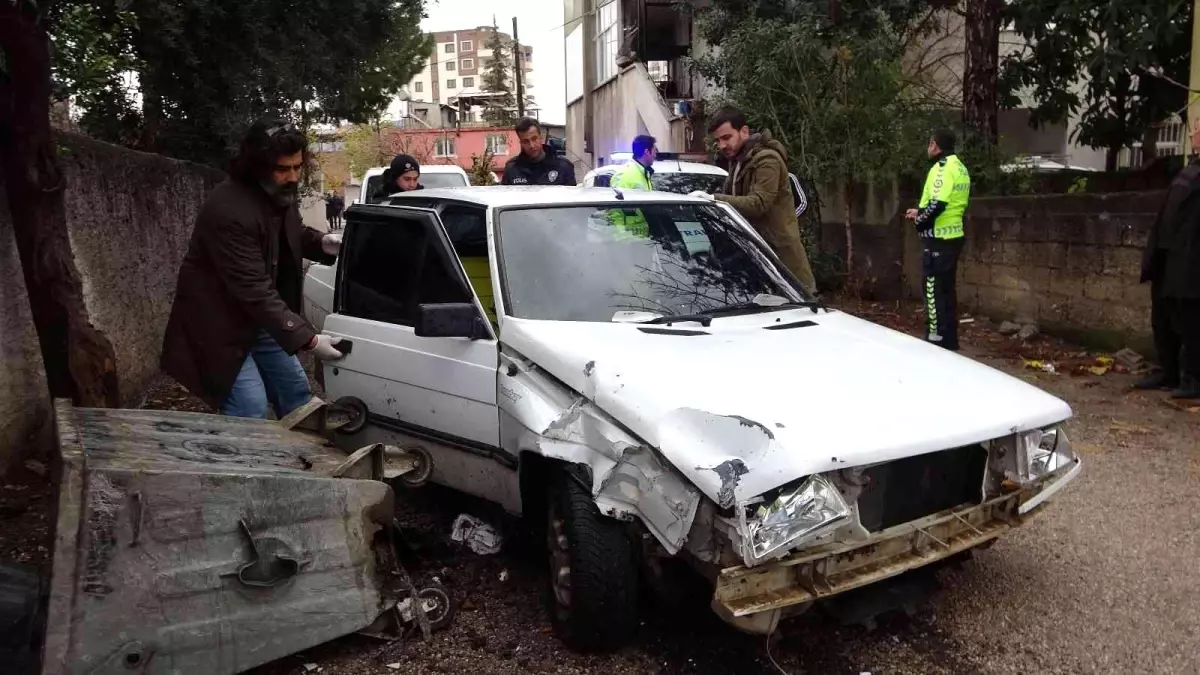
1071,263
130,216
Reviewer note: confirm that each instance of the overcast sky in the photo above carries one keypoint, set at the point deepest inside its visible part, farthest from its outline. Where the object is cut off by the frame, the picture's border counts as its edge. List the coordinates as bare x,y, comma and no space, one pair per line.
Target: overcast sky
540,26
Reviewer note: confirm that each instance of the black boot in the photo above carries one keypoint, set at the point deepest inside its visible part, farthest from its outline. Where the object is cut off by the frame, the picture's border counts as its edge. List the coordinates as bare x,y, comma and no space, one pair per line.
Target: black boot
1188,389
1157,380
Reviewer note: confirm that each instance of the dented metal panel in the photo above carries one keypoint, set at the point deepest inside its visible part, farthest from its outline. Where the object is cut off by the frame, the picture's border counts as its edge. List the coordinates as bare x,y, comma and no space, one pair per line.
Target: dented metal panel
539,414
742,410
201,544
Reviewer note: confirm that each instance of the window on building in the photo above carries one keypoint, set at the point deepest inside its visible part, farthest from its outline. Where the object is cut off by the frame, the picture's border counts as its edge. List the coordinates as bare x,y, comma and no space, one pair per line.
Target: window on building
468,82
468,64
497,144
467,46
452,84
445,147
449,65
418,87
449,47
608,36
377,290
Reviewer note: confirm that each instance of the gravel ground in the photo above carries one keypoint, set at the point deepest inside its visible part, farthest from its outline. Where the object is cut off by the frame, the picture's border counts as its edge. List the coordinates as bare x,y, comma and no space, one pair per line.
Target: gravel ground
1105,581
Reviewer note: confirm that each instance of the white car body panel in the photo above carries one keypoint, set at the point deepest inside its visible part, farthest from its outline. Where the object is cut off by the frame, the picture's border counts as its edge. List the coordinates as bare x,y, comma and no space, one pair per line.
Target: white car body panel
427,169
790,403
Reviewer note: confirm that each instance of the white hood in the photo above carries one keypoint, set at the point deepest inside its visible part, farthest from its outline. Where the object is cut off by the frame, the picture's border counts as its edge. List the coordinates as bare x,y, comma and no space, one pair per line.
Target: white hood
742,409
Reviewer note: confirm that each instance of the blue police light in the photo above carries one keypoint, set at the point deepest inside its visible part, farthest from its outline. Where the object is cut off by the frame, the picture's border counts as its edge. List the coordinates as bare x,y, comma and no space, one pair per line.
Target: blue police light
621,156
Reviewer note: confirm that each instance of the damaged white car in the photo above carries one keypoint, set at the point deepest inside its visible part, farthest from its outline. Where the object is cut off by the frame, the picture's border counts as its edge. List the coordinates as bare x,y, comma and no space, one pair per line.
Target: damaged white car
637,372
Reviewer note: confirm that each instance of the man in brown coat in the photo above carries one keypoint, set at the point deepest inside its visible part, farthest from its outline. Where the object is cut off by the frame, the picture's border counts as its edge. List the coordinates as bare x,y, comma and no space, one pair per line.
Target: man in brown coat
759,188
236,326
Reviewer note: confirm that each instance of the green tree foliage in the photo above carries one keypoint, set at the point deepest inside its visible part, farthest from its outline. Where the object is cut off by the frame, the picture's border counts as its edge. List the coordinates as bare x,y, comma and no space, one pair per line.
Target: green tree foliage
205,69
480,172
836,97
496,79
1101,60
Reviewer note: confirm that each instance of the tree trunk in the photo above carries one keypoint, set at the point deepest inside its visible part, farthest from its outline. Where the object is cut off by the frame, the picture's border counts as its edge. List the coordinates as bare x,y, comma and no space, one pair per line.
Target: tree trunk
848,215
1111,156
79,360
1149,145
981,70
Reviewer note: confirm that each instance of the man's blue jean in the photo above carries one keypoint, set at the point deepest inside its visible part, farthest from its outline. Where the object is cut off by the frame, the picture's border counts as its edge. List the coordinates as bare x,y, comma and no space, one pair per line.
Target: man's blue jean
269,375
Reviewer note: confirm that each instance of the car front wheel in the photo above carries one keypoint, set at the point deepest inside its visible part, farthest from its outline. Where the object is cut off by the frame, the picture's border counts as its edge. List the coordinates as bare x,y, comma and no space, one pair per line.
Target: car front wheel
593,570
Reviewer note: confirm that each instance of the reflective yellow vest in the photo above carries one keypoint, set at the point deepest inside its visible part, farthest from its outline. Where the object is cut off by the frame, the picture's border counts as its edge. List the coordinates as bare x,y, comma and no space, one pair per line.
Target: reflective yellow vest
949,182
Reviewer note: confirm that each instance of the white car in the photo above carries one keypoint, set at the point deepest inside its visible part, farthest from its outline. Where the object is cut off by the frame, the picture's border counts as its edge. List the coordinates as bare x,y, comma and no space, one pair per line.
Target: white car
671,396
432,176
670,175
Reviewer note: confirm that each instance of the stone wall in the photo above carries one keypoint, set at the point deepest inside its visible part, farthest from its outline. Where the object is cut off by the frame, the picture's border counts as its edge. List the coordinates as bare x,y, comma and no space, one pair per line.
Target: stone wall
1070,263
129,215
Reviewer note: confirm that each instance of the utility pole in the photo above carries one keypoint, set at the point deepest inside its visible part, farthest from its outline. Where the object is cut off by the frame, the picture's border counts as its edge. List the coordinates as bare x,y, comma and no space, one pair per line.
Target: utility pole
517,71
1191,116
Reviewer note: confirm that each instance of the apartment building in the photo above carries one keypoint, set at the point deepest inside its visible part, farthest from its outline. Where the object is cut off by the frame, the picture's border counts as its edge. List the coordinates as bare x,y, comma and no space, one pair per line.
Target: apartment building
453,73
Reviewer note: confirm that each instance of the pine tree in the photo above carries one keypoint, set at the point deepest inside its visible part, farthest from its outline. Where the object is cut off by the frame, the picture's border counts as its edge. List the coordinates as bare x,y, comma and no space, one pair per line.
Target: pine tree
496,78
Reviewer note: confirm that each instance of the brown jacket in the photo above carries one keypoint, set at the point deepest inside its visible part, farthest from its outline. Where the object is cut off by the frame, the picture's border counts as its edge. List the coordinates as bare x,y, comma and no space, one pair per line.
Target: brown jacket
758,187
234,282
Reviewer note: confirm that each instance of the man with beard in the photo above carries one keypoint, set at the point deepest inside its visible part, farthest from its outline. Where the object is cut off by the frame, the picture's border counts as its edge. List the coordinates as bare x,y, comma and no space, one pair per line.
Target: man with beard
537,164
236,322
760,189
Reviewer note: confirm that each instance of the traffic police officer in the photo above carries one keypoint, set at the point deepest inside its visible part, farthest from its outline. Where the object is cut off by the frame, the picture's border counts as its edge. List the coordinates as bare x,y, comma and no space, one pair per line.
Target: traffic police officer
635,175
939,222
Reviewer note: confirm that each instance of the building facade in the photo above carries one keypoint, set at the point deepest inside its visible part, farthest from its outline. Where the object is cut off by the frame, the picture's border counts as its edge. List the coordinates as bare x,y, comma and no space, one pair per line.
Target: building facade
453,73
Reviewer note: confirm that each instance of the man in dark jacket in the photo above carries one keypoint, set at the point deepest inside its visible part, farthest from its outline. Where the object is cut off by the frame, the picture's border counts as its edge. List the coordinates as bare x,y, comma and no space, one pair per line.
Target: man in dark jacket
760,189
537,164
1171,263
236,325
404,175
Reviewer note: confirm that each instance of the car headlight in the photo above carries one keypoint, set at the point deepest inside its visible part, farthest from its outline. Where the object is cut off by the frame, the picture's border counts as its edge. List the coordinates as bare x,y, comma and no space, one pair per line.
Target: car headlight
796,515
1042,452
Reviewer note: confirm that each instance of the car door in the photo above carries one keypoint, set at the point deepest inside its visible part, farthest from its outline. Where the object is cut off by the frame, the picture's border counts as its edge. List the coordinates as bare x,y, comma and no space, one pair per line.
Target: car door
395,259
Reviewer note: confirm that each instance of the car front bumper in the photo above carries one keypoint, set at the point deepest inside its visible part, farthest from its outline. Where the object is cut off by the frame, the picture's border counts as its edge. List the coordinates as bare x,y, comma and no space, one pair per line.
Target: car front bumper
753,599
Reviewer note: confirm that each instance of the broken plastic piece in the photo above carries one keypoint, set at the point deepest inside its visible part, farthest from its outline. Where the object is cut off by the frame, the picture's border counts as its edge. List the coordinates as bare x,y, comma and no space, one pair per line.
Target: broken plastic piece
480,537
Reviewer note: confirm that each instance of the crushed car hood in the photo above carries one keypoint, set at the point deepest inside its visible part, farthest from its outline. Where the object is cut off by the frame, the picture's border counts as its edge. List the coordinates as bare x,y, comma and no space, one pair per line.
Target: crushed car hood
742,407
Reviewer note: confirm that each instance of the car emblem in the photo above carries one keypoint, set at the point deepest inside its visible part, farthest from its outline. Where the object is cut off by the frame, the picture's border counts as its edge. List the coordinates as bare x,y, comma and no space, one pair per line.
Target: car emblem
553,175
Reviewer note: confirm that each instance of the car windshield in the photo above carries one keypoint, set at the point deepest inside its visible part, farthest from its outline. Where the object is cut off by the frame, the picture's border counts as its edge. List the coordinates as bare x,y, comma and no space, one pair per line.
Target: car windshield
429,180
588,263
683,183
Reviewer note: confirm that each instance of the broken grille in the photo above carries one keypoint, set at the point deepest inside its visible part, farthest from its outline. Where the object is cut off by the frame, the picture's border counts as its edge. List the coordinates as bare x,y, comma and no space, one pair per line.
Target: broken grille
914,487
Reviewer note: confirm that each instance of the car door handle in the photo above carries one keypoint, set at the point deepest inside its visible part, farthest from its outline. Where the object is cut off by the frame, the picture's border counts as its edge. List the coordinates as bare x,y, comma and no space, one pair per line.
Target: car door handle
344,346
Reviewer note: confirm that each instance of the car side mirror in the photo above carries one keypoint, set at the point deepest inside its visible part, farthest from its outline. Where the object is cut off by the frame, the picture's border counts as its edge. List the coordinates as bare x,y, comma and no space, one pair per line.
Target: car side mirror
451,319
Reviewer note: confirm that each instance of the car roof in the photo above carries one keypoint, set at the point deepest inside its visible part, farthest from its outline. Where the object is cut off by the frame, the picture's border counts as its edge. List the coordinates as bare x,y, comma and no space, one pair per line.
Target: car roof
499,196
670,166
427,168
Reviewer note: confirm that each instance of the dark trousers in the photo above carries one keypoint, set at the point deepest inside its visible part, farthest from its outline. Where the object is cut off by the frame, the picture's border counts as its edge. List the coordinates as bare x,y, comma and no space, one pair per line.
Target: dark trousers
939,260
1176,325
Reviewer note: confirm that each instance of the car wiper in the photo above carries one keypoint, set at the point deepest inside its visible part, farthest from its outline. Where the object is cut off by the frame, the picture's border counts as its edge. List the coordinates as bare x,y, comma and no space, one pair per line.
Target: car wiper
755,306
702,319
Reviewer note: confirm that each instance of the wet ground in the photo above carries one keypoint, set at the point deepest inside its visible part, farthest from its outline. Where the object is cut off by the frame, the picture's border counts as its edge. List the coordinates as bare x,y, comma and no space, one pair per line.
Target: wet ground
1107,580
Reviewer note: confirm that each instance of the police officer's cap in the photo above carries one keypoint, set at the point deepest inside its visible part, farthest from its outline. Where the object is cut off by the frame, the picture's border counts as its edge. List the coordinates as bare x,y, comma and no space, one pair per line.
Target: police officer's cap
402,164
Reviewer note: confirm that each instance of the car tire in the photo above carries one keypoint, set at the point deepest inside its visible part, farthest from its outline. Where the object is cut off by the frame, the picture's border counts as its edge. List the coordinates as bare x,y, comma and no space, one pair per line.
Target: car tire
593,570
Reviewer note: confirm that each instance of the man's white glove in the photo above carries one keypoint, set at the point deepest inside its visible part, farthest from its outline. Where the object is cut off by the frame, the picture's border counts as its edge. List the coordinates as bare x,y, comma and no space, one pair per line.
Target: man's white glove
331,244
701,194
322,347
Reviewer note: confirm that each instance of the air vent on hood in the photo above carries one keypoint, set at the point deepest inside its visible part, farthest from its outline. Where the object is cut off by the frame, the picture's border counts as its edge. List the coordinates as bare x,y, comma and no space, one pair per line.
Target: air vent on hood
794,324
670,331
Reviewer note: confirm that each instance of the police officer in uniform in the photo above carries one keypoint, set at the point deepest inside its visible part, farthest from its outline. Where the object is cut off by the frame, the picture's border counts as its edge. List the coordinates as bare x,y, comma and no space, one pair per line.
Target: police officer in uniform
939,222
403,175
639,172
537,164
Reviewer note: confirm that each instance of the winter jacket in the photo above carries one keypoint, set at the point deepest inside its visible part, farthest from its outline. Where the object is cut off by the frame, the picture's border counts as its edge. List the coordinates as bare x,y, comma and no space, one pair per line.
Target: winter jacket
759,187
549,170
236,280
1172,254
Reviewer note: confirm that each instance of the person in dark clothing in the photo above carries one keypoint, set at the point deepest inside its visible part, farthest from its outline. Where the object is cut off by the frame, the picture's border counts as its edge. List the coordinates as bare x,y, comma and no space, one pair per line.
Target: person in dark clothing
404,175
330,206
1171,263
537,164
339,206
236,323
